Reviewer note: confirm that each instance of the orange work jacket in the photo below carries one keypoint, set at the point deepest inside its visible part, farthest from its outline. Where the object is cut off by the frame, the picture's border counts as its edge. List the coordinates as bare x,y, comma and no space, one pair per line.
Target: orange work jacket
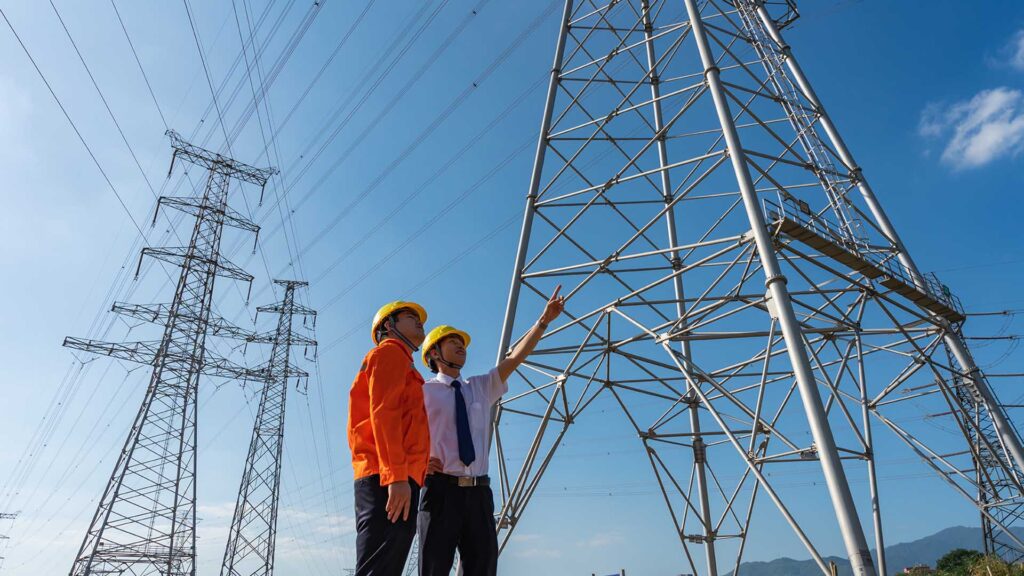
387,422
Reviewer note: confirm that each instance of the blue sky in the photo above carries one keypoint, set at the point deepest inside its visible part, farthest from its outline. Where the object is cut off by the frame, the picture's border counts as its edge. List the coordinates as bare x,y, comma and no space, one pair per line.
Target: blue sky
929,100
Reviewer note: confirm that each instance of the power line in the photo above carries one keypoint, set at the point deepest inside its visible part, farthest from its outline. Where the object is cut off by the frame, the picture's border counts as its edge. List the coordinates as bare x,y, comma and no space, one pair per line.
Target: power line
1010,312
73,126
139,63
206,71
72,386
401,157
104,99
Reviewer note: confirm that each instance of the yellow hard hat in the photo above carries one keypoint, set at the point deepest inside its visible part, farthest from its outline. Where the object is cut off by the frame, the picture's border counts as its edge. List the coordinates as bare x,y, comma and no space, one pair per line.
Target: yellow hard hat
435,336
389,309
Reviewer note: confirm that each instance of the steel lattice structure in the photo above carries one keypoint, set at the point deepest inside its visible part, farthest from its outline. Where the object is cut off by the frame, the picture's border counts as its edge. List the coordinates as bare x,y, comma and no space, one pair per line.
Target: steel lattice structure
145,521
250,547
4,539
998,489
735,290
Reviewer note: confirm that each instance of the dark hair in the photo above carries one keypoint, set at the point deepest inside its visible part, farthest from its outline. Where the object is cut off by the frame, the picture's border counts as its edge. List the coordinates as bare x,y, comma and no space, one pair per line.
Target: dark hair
382,331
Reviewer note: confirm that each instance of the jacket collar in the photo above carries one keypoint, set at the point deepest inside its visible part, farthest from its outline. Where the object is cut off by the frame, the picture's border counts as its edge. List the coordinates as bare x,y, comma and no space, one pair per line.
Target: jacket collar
398,343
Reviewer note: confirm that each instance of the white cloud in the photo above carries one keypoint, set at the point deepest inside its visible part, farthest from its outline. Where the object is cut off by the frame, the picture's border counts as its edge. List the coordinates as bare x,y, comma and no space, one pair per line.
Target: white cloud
534,546
303,535
214,512
988,126
1014,51
602,540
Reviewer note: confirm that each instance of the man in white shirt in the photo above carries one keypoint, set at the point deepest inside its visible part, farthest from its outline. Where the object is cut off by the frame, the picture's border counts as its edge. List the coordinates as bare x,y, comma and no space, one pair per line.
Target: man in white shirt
456,502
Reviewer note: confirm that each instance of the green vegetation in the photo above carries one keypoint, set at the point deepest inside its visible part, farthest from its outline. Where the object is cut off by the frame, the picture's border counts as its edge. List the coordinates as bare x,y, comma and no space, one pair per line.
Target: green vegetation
957,562
961,562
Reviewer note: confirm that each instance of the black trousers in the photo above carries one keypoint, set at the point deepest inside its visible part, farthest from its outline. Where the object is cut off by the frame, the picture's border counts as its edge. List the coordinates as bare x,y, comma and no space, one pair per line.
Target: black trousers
381,547
457,518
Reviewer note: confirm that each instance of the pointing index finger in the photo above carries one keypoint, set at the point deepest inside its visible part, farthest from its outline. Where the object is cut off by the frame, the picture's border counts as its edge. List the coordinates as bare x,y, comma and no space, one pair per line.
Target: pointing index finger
554,295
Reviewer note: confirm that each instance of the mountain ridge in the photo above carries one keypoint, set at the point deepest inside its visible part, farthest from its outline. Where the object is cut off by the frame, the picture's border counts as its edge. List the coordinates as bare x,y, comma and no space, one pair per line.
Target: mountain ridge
926,550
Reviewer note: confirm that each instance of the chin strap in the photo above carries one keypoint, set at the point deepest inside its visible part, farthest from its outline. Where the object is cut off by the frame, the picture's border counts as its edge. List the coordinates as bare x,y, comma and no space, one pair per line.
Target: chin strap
394,332
451,365
440,358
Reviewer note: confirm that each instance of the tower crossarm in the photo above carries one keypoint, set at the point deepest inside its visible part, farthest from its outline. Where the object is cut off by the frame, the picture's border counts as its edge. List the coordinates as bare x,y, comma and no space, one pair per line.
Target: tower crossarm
180,256
268,373
195,206
157,313
294,309
217,163
146,353
224,329
145,312
223,368
294,339
141,352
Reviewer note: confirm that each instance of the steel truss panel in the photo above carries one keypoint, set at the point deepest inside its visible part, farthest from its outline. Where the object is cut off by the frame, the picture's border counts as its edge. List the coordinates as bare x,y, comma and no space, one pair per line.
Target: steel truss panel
735,292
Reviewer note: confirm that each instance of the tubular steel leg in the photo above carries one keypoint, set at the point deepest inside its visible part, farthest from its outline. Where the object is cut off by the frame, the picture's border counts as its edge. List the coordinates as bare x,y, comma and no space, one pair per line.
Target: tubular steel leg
699,448
524,235
1005,430
835,477
876,507
531,198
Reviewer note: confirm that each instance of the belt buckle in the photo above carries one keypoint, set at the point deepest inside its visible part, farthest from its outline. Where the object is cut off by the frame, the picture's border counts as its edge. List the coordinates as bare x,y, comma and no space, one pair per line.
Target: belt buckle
466,481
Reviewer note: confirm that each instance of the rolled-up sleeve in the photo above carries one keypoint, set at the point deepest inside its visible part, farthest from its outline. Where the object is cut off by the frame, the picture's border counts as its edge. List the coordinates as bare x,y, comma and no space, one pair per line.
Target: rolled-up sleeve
387,370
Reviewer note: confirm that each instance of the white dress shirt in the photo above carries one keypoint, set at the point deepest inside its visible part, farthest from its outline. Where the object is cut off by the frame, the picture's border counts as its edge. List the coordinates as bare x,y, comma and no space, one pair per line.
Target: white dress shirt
480,393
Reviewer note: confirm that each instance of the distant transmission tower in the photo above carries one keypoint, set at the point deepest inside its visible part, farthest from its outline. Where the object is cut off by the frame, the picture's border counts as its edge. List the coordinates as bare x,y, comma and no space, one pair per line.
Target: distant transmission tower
5,539
736,291
250,547
998,485
145,522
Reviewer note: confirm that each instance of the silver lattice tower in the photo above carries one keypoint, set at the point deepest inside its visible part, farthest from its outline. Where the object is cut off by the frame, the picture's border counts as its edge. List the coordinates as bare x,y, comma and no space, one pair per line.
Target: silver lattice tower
250,547
736,292
146,519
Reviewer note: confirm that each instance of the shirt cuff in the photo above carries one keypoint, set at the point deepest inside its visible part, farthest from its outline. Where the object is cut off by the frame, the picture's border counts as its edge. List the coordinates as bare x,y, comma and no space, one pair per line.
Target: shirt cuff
389,476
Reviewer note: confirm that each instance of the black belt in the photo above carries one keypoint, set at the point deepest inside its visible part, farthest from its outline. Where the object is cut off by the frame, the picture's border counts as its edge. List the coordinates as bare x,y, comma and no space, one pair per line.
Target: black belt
461,481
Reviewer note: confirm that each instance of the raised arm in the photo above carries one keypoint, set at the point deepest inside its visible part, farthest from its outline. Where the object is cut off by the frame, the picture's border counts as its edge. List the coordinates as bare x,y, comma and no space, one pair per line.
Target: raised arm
525,346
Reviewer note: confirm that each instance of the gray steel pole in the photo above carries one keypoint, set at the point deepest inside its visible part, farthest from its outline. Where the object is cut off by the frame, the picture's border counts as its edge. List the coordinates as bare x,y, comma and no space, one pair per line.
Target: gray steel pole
524,234
699,448
835,477
1011,441
876,506
531,197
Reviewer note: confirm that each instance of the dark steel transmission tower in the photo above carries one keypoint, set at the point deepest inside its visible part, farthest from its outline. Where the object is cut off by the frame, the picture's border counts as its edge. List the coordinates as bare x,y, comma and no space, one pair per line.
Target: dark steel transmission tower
250,547
736,292
145,522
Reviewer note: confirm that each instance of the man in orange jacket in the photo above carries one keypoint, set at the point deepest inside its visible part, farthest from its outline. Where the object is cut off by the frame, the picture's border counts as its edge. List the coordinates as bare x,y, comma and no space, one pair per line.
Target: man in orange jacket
390,441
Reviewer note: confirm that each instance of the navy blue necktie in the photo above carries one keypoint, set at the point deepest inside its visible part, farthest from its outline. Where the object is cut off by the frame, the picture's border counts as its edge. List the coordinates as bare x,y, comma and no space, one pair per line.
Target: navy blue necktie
466,451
